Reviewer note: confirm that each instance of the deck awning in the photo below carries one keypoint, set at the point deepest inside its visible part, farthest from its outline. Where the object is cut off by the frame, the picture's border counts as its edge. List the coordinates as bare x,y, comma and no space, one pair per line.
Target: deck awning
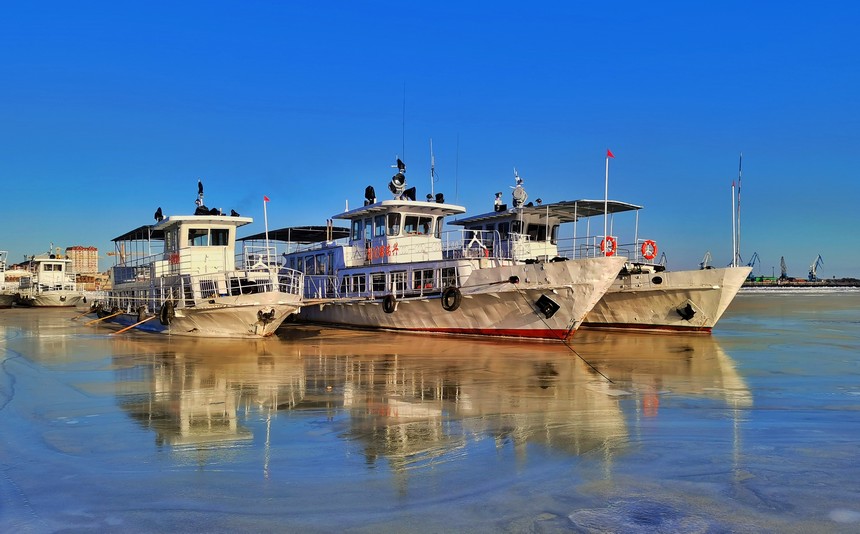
302,234
146,232
565,211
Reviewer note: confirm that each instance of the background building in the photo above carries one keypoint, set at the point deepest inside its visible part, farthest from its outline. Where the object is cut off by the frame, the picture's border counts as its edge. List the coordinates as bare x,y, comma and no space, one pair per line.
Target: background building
84,259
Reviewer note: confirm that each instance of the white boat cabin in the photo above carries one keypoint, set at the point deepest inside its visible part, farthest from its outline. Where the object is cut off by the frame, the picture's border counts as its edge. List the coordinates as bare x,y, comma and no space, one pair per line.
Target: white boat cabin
391,246
186,244
49,272
532,232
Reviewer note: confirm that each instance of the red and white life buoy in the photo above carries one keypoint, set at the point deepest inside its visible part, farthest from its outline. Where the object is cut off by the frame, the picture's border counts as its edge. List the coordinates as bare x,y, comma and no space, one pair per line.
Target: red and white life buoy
649,249
608,245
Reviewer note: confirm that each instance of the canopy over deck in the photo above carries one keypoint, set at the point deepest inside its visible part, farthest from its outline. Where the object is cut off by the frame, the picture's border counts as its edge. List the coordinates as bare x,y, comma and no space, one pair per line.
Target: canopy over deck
564,211
302,234
401,206
147,232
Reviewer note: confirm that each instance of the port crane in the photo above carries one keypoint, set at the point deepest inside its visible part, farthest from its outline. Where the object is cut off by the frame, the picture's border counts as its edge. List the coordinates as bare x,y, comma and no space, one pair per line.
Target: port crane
813,276
783,270
752,263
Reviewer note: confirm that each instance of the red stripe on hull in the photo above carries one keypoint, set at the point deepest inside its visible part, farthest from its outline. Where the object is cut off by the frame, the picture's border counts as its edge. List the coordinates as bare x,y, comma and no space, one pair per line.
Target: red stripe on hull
546,334
648,327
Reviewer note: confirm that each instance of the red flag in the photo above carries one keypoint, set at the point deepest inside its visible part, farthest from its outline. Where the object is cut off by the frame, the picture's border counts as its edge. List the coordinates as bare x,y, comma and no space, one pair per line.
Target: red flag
265,198
609,154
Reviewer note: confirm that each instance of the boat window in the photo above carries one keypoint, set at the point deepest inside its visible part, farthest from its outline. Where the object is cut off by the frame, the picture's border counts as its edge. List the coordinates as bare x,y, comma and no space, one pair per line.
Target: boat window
537,232
321,261
356,230
358,283
198,237
368,229
393,227
516,227
438,232
379,225
504,228
417,225
554,236
398,280
422,279
220,237
309,265
378,282
449,277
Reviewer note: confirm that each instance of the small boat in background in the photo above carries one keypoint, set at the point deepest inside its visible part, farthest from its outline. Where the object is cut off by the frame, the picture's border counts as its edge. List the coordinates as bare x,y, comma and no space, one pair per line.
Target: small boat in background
182,276
49,282
644,295
396,268
8,289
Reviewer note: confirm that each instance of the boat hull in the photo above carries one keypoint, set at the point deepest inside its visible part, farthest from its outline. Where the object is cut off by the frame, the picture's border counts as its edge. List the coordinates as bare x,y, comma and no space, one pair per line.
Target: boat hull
500,301
689,301
246,316
50,299
6,300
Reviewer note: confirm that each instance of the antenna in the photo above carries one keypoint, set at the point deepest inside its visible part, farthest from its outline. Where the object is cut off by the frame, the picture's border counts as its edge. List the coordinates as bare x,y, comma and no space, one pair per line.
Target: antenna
403,125
432,168
457,172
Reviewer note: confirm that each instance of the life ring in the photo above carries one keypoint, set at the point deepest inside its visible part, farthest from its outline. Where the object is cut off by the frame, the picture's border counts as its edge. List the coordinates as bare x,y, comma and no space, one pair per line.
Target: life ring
608,245
167,313
649,249
389,303
451,298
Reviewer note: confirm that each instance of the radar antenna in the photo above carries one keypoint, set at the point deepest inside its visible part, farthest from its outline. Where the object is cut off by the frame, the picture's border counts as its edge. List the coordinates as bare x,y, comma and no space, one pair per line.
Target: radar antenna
519,193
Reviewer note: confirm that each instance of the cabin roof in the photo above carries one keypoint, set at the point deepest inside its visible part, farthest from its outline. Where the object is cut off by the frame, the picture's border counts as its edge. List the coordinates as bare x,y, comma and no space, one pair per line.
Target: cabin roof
155,232
400,206
301,234
564,211
147,232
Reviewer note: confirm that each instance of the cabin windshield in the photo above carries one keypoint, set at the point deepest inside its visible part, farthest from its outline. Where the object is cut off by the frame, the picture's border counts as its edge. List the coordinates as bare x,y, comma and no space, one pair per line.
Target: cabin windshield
418,225
537,232
393,224
368,229
379,226
204,237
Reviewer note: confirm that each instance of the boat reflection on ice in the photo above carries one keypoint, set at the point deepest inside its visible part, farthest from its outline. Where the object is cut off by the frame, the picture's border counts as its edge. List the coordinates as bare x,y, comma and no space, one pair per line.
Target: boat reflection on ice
414,399
191,392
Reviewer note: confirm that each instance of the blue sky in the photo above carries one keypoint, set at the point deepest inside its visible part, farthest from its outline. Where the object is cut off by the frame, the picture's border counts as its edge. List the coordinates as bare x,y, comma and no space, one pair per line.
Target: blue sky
109,110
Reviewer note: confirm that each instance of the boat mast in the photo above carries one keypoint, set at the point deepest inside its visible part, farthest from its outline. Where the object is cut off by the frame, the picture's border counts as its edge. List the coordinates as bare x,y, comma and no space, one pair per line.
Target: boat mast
738,250
432,168
734,230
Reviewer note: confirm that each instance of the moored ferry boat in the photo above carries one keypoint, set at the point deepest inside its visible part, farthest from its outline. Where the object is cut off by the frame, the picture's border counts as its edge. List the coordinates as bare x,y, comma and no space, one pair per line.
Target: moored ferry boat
644,295
396,268
8,290
181,276
49,283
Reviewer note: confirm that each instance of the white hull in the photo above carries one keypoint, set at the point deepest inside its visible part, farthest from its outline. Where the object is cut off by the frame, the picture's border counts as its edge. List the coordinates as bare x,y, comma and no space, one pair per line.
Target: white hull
51,299
491,304
638,301
189,283
245,316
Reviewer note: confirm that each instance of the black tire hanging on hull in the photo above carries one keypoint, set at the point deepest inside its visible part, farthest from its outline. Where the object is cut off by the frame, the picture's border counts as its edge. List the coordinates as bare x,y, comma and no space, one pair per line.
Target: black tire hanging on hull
451,298
389,303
